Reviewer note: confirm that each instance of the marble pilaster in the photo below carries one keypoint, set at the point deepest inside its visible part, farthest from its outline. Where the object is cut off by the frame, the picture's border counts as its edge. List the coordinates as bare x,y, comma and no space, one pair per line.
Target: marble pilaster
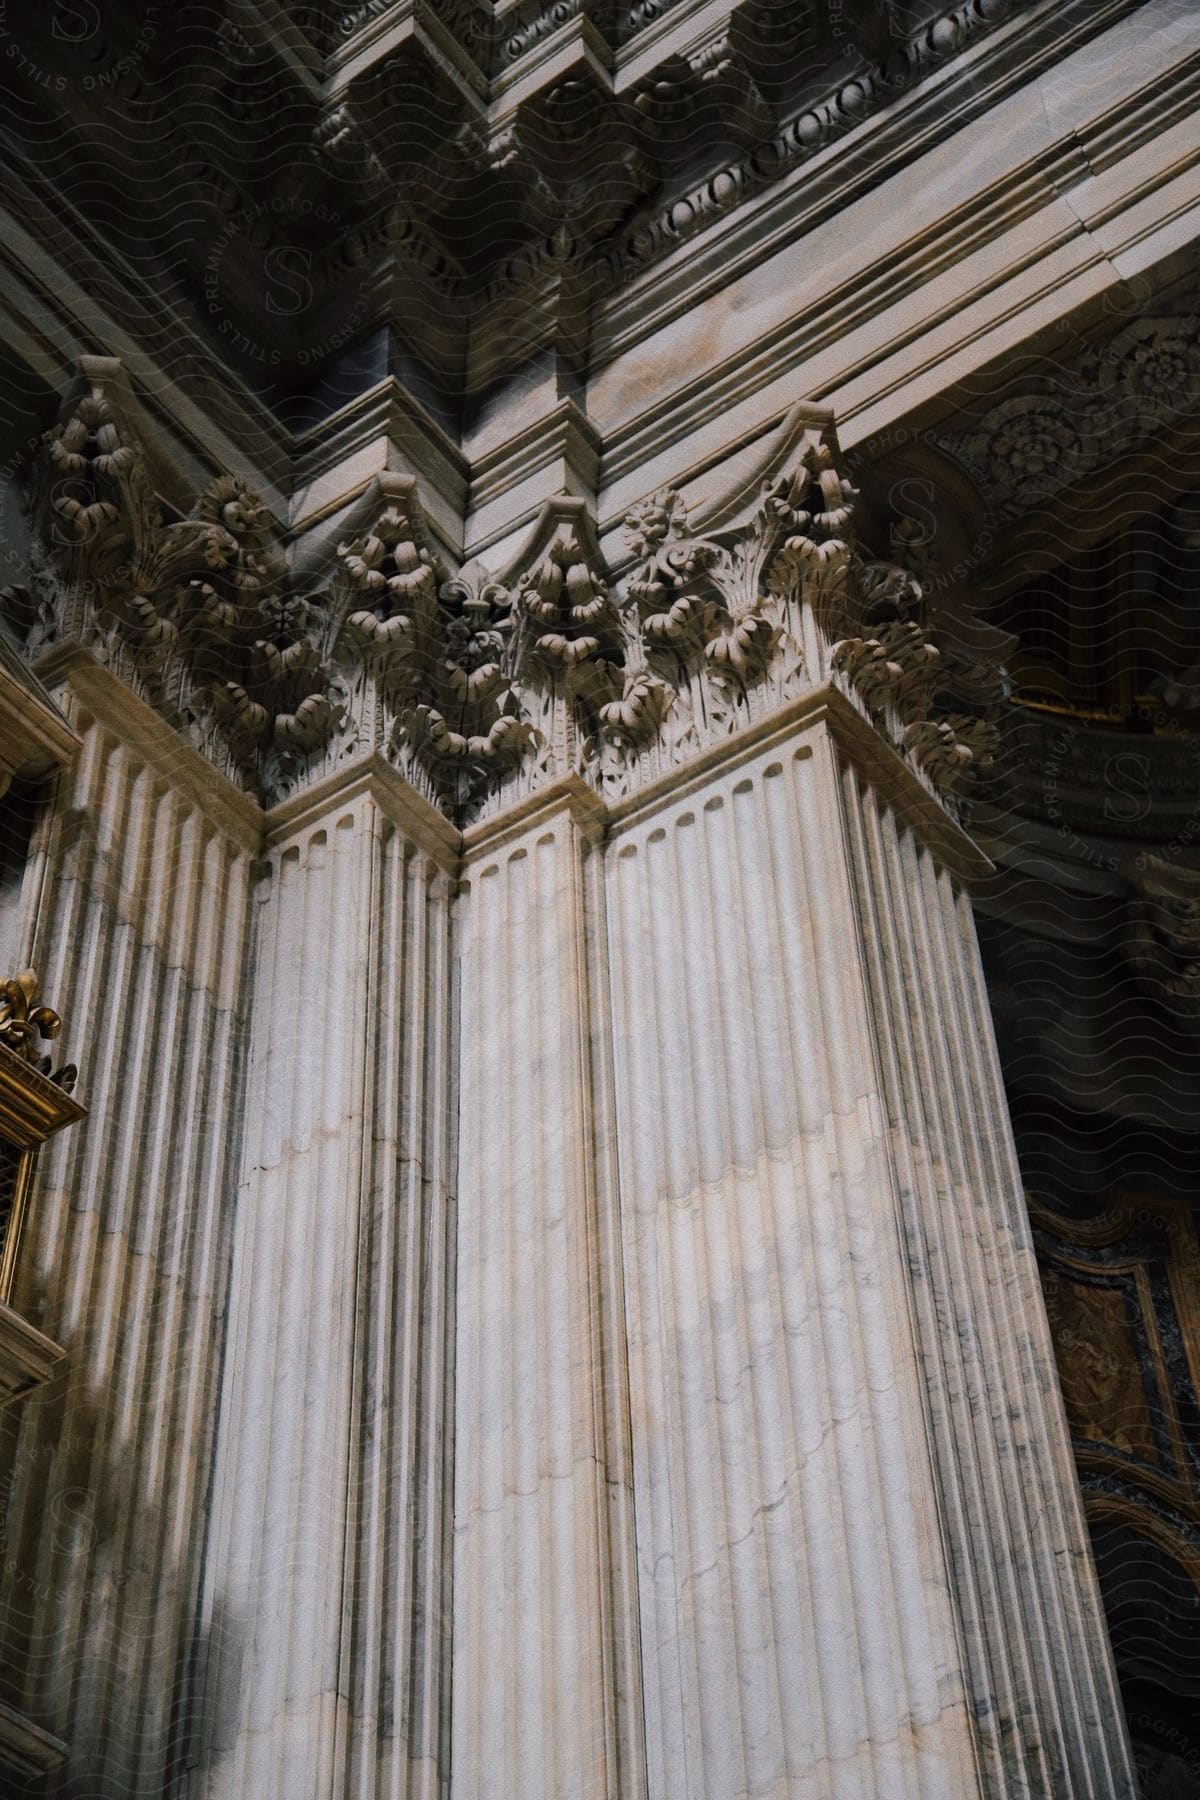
853,1579
537,1653
798,1635
1036,1656
134,905
326,1568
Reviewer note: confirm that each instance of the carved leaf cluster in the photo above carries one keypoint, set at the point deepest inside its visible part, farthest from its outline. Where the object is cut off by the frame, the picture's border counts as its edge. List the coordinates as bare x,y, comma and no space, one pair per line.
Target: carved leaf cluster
470,680
195,612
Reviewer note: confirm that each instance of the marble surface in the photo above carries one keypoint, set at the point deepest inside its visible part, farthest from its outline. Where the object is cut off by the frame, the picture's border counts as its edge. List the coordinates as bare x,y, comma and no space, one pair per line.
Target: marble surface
1036,1658
532,1583
323,1607
549,1307
135,905
582,1339
797,1625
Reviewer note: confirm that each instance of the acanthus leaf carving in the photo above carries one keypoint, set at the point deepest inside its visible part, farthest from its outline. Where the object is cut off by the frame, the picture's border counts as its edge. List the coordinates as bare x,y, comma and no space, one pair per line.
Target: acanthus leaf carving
194,612
468,728
114,556
432,654
568,614
912,688
392,575
699,594
670,563
475,681
894,670
945,748
732,616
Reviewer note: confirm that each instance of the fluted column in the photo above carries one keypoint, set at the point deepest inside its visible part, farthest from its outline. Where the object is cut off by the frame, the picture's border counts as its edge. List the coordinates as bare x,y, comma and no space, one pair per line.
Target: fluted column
134,908
324,1570
838,1596
537,1656
1049,1717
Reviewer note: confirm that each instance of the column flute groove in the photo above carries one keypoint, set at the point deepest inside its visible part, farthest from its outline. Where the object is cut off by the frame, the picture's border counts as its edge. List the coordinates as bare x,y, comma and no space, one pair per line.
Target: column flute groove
123,1271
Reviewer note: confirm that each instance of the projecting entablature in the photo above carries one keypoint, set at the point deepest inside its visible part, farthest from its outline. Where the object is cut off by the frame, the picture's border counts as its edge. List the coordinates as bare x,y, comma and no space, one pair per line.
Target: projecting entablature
418,165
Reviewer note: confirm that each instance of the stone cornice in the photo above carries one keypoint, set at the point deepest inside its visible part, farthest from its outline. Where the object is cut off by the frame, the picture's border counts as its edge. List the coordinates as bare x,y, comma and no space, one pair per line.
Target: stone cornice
382,34
562,437
676,31
937,43
885,349
823,187
818,162
279,32
337,460
1007,58
576,46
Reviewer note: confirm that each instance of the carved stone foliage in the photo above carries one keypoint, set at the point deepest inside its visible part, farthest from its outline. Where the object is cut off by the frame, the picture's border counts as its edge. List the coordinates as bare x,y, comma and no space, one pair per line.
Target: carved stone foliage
896,672
429,655
565,604
194,613
701,596
570,651
783,597
472,715
483,685
387,596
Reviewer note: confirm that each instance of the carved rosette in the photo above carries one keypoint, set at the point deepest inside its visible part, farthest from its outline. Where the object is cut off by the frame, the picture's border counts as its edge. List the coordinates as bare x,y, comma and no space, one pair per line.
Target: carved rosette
1112,399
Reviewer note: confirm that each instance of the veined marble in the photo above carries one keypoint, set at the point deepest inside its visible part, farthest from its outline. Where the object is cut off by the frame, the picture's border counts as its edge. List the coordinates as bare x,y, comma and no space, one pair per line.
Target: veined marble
547,1302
